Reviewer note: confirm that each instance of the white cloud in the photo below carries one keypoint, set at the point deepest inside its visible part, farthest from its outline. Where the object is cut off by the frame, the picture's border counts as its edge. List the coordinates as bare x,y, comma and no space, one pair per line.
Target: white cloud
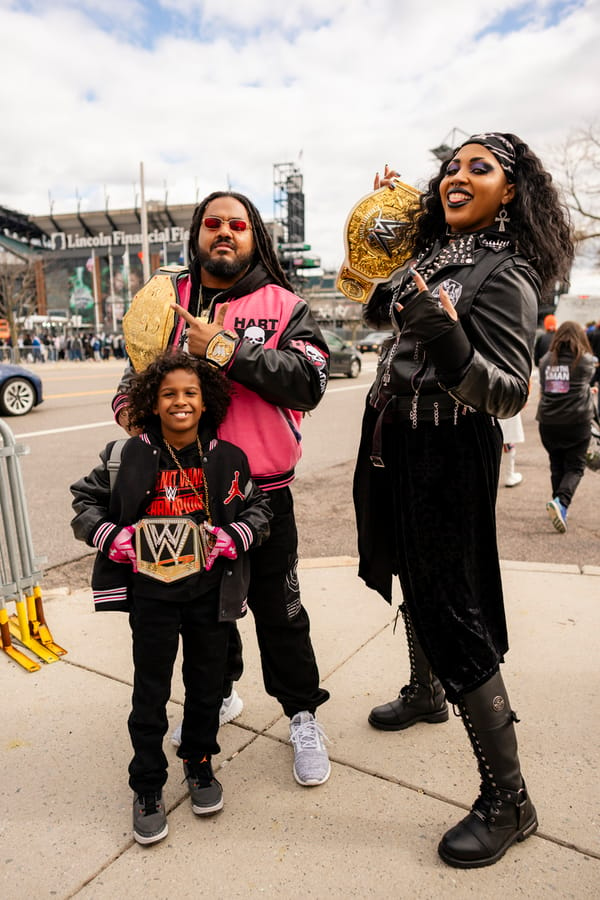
91,88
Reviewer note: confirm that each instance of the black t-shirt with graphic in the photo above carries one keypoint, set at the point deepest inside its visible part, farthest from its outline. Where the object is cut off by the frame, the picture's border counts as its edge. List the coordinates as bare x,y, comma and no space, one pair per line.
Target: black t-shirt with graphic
176,496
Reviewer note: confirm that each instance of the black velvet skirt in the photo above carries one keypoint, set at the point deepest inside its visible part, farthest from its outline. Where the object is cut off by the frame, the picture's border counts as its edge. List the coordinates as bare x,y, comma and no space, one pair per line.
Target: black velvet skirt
429,517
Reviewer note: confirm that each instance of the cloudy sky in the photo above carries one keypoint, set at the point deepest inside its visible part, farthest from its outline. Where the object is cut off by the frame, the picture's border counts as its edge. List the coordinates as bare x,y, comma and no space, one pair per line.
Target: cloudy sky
209,94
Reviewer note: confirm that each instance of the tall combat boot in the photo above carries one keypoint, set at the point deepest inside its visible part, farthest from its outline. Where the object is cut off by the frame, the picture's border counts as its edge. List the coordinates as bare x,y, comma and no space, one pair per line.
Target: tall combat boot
421,700
503,812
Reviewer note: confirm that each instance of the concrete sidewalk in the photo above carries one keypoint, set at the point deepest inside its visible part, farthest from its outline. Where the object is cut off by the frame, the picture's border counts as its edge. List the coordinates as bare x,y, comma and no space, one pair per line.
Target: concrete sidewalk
372,830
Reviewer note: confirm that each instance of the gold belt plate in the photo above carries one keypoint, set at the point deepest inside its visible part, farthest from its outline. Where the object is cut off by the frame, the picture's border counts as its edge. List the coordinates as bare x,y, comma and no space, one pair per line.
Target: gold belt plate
148,323
374,237
168,549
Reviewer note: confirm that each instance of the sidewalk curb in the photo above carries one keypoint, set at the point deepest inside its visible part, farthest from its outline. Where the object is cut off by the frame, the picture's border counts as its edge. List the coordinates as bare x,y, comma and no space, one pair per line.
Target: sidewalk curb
336,562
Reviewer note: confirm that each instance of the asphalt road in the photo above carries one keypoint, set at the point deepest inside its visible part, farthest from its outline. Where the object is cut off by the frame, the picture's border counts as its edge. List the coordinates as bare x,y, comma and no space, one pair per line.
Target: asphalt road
78,398
66,433
525,533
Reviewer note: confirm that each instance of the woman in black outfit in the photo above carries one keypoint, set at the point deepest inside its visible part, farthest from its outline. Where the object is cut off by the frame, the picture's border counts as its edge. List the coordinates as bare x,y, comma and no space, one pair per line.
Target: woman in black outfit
565,414
489,235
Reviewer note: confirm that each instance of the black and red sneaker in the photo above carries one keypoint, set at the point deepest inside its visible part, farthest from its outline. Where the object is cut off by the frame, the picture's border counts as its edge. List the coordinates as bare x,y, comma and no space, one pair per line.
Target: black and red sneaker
149,817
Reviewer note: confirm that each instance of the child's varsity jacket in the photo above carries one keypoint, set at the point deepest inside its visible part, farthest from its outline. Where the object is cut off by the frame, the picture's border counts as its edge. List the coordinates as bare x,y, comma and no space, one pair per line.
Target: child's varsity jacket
237,505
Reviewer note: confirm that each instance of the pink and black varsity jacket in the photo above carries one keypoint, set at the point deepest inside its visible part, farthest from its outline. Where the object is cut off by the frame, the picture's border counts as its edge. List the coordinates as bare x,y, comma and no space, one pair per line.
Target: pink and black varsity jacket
279,369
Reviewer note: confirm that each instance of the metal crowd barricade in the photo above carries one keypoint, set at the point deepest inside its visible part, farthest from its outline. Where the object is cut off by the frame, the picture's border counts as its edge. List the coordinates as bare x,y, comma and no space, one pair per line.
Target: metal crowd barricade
7,354
20,572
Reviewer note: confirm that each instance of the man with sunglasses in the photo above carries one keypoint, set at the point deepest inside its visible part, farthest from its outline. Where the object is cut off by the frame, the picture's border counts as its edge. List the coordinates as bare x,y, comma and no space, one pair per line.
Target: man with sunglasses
238,311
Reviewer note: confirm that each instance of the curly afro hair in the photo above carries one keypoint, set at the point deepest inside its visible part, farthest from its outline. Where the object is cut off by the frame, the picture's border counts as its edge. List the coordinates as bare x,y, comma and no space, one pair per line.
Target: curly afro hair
143,394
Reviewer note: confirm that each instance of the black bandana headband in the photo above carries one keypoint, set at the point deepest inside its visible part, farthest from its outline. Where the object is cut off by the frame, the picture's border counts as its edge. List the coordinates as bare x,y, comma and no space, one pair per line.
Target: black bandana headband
502,149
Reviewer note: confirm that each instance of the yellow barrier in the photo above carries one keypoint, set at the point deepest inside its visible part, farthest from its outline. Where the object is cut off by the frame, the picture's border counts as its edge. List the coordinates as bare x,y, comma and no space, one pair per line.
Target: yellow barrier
7,647
19,573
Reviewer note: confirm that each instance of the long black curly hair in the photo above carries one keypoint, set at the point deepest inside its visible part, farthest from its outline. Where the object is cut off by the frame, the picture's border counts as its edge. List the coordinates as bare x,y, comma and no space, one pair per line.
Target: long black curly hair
539,221
143,395
264,251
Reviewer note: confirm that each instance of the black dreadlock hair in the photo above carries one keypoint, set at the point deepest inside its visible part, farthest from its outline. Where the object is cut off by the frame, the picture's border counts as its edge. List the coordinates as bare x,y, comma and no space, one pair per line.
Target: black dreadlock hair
539,221
143,395
263,252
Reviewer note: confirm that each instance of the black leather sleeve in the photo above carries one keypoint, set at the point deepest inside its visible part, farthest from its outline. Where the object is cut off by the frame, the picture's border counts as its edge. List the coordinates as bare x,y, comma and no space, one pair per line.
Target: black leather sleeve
501,328
376,313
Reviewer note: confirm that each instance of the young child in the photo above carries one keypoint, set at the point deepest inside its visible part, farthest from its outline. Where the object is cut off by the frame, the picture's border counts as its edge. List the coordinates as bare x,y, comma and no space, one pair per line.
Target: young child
179,485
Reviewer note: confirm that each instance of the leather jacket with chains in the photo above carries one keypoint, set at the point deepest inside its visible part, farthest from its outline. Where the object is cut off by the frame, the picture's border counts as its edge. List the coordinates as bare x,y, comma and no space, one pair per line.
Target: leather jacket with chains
433,367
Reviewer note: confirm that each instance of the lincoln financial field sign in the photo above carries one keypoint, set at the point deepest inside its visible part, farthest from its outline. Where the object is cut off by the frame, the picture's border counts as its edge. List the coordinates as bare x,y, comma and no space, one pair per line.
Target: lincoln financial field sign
60,240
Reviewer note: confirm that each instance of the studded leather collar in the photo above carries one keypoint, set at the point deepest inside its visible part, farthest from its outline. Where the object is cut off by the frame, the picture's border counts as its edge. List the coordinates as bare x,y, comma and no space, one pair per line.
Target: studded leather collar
459,251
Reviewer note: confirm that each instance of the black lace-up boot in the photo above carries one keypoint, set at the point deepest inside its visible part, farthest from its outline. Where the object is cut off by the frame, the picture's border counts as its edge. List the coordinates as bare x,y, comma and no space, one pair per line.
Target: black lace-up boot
503,812
421,700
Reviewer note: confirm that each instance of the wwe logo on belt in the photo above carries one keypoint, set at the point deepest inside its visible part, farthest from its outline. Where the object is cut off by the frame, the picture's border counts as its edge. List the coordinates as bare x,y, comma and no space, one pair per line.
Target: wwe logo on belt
167,537
169,549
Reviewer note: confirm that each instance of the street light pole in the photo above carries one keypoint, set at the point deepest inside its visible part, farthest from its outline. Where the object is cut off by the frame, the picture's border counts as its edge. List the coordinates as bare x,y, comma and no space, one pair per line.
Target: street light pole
145,243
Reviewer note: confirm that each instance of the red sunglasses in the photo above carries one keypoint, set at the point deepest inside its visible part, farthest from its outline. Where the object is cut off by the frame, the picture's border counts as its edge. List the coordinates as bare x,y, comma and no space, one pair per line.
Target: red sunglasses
214,222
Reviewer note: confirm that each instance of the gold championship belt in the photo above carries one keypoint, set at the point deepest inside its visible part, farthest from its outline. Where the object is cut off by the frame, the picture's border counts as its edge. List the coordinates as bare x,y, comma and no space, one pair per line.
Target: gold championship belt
374,238
168,549
149,321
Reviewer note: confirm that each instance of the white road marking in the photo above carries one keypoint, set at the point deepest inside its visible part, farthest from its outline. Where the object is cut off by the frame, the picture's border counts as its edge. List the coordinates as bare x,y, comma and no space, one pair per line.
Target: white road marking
31,434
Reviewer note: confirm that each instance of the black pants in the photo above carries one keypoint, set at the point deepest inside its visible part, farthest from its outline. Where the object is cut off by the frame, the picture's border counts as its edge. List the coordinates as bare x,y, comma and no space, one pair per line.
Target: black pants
566,446
156,626
289,667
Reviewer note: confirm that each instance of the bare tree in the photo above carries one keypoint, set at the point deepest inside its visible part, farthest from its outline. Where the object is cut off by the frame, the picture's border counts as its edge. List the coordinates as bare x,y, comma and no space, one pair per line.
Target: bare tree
581,181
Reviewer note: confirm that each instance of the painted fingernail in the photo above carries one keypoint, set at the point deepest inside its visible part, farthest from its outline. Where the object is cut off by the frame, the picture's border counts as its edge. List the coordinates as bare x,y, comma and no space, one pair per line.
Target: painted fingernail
412,271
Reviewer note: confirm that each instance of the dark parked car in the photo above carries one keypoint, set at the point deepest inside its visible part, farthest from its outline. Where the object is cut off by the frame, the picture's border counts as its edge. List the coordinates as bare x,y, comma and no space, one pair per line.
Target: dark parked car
344,358
373,341
20,390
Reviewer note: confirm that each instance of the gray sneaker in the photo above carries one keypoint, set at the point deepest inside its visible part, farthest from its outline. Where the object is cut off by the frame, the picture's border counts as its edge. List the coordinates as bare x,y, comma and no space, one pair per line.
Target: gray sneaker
149,818
206,793
311,762
231,708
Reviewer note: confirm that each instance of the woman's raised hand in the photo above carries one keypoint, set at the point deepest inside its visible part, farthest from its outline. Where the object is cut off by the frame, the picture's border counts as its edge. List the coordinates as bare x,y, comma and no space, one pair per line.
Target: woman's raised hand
387,179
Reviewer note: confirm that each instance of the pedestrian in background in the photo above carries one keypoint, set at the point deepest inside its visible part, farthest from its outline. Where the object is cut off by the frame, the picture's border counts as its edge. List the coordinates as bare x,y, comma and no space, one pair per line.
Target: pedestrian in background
543,340
565,413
